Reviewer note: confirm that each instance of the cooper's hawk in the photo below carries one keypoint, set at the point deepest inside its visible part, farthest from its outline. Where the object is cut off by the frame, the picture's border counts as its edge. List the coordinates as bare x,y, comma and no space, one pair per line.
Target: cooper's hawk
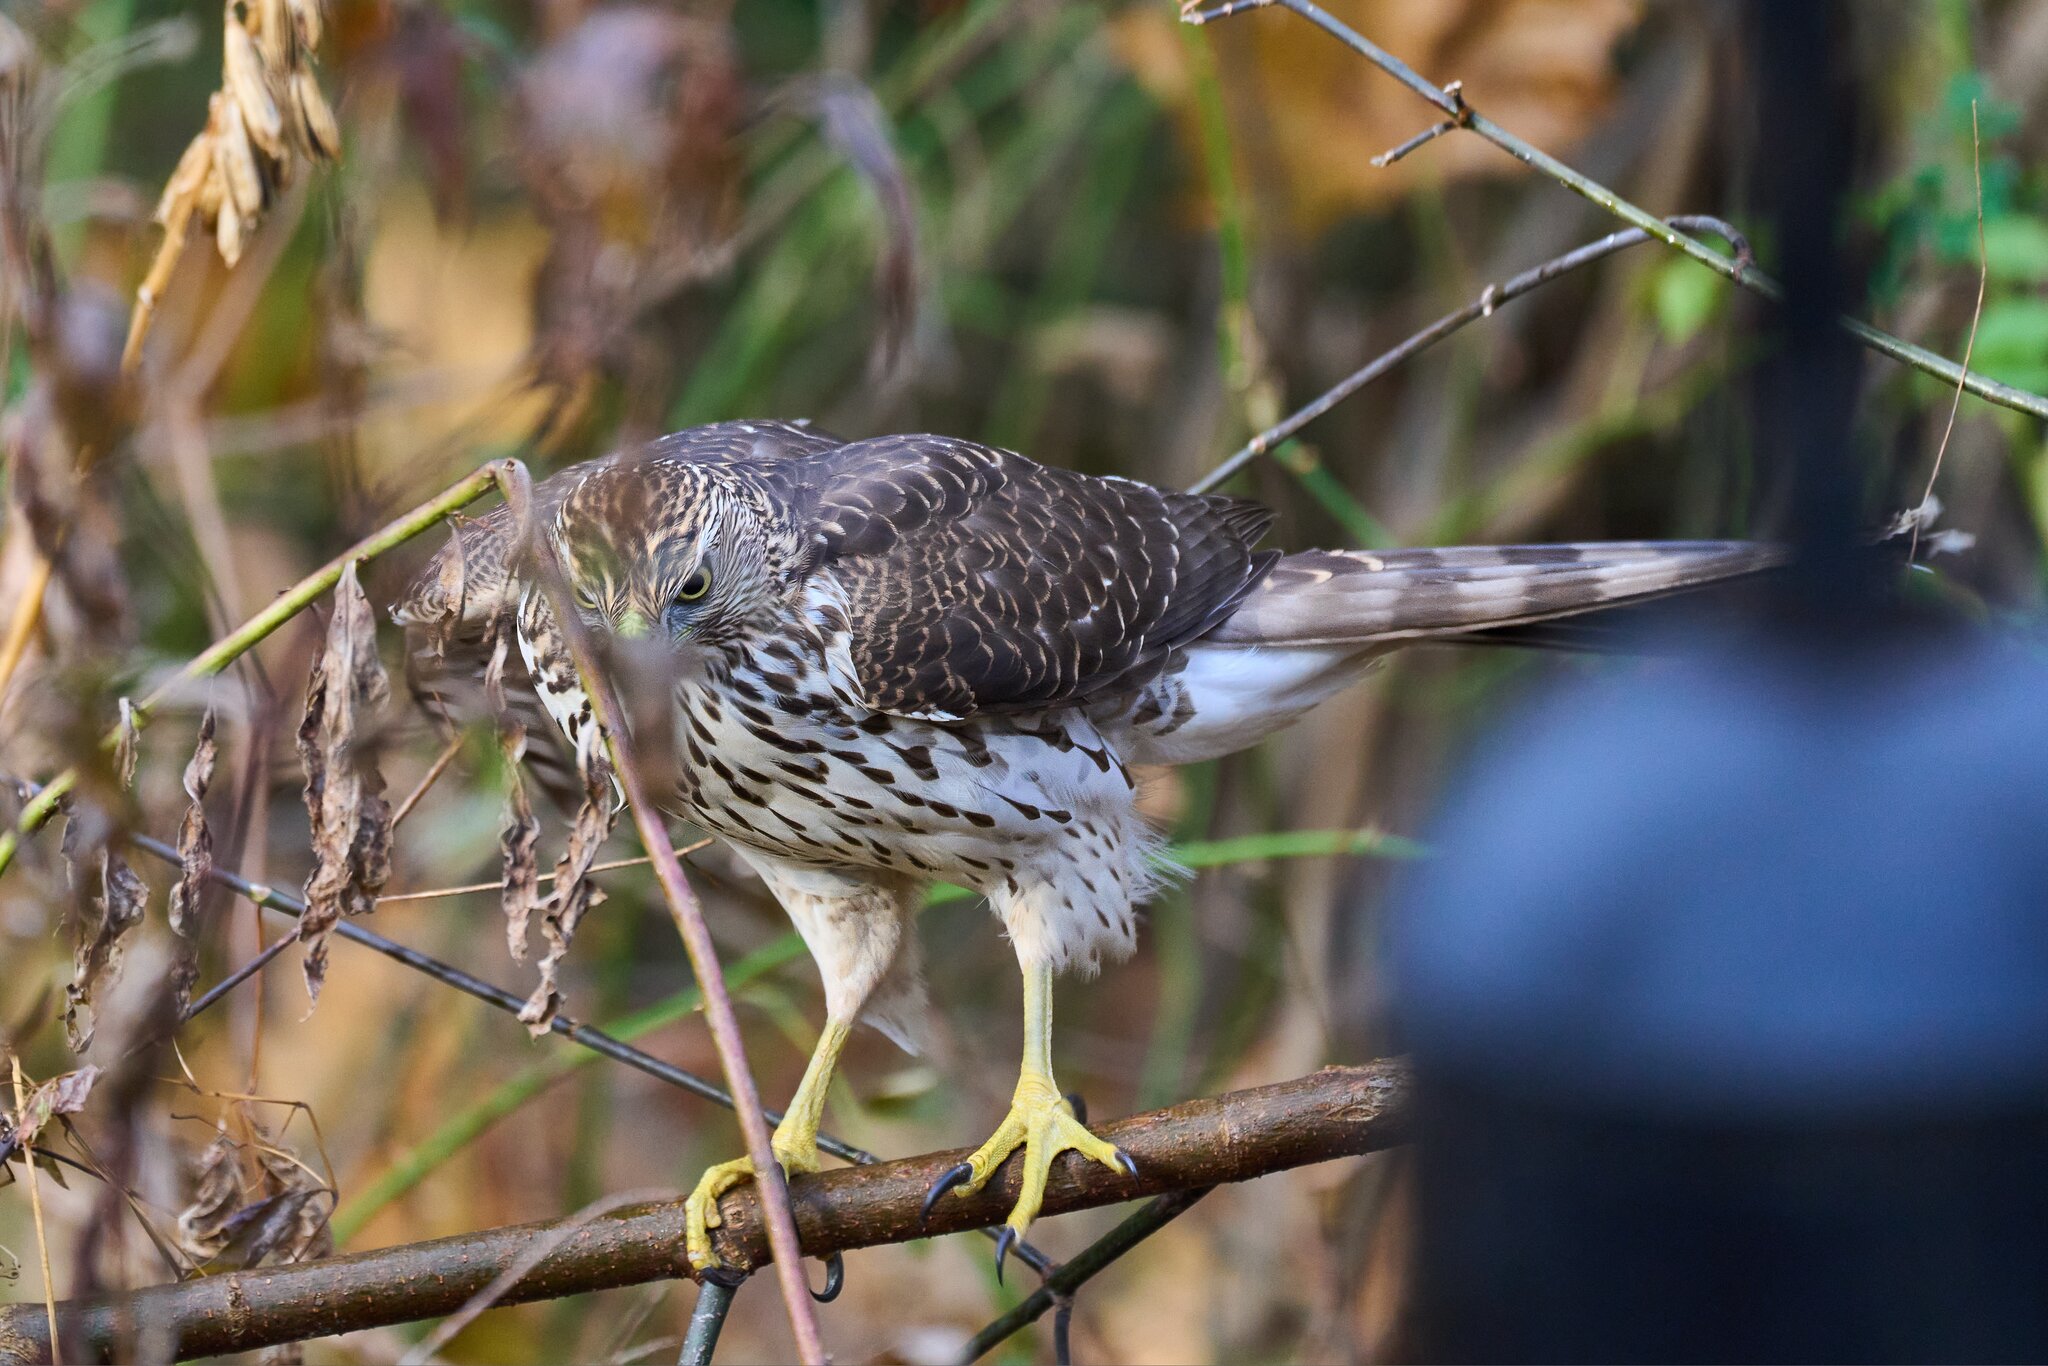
916,659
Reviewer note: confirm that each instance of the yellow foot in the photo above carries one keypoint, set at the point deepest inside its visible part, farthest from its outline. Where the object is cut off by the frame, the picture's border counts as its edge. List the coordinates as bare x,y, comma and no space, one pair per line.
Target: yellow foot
700,1211
1042,1123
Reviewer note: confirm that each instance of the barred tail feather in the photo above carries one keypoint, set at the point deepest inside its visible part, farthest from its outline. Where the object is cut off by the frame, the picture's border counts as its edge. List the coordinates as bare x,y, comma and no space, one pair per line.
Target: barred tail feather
1320,619
1335,597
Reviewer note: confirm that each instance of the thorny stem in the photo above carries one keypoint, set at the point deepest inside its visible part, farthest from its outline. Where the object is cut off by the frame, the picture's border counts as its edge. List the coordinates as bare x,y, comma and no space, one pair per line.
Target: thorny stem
1451,102
517,487
228,649
1490,299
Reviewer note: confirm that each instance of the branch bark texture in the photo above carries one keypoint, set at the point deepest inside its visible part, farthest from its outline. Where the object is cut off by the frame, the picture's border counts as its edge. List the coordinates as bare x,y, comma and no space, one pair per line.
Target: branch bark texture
1338,1112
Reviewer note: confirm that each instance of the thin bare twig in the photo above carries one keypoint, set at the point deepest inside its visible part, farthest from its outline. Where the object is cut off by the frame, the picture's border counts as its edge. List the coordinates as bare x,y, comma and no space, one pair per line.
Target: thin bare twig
1970,347
426,783
1451,101
1337,1112
769,1177
1491,298
436,893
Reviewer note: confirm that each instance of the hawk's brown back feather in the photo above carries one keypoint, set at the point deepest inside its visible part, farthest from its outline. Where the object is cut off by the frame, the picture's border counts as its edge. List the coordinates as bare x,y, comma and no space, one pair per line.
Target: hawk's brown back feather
978,580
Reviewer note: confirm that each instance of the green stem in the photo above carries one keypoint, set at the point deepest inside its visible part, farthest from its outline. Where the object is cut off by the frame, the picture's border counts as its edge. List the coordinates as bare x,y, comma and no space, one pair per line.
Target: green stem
227,650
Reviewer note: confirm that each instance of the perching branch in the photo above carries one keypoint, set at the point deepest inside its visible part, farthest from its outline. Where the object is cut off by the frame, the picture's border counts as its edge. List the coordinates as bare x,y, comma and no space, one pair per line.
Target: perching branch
245,638
1338,1112
1450,100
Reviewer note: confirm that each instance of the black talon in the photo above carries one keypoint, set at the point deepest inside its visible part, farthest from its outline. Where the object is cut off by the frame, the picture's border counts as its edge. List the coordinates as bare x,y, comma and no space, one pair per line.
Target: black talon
1127,1162
835,1280
723,1276
953,1176
1078,1106
1005,1240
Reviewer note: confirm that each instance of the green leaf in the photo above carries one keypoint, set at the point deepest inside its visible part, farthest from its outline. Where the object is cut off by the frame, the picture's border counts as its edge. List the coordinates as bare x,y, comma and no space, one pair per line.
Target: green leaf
2012,342
2016,248
1684,296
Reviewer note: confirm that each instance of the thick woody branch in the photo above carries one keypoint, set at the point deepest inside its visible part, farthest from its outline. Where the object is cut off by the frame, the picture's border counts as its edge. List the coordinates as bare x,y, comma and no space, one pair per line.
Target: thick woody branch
1338,1112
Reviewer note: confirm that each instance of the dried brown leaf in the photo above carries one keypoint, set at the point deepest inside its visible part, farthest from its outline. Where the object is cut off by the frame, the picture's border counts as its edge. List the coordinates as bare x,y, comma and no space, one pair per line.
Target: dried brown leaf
350,820
124,745
111,900
195,862
574,893
517,839
254,1203
65,1094
195,836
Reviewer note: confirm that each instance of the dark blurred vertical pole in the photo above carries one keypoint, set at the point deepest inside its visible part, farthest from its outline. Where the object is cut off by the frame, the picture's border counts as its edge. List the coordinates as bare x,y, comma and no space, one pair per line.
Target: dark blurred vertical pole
1727,984
1805,391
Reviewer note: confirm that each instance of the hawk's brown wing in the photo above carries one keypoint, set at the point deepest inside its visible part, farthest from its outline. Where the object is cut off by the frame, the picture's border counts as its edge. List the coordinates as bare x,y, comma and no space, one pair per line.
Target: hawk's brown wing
978,580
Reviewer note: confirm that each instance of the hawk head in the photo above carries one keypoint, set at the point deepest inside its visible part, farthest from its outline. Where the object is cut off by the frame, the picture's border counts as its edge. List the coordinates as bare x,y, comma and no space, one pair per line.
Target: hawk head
666,549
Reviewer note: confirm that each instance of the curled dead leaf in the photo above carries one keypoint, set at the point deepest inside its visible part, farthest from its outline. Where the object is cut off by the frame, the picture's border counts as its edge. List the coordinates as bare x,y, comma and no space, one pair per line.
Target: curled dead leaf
195,837
350,820
110,902
124,745
255,1202
517,840
574,893
65,1094
195,862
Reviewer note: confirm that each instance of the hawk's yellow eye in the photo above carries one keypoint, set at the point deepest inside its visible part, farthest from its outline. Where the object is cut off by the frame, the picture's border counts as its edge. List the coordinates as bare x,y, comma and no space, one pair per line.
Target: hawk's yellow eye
586,598
696,586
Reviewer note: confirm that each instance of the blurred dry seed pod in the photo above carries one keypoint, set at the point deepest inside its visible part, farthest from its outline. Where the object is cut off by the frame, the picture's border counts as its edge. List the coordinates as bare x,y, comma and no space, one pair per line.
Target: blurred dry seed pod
195,171
249,82
306,18
323,134
237,160
212,191
227,231
274,34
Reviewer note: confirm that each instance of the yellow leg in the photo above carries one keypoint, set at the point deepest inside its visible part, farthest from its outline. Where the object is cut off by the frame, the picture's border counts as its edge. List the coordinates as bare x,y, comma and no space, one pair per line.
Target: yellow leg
1040,1122
795,1142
